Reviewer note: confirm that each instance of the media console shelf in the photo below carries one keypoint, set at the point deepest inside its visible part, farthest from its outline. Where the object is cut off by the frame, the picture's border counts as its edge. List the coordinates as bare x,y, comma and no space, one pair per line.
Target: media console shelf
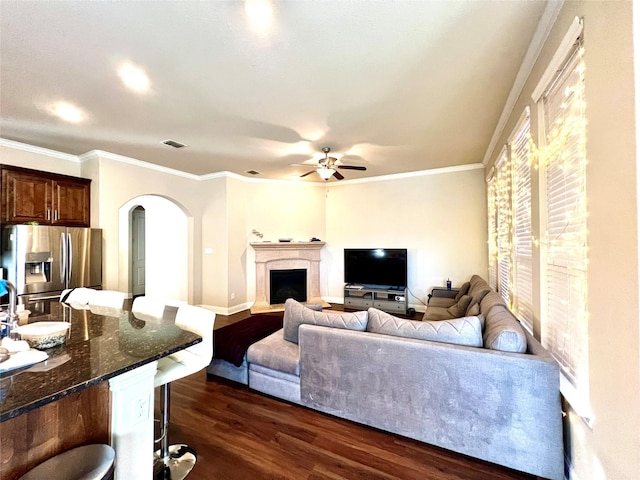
390,300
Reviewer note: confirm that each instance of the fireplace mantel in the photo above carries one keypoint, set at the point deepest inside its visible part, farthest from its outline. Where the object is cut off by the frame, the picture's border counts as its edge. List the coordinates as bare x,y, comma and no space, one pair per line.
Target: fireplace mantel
284,256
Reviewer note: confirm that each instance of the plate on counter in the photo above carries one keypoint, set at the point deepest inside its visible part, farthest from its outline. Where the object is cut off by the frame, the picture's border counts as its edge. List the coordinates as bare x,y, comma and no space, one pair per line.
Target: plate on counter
23,359
285,239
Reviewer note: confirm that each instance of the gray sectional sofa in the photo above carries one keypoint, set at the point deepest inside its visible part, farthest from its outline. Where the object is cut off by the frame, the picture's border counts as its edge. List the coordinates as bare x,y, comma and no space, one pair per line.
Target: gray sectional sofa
477,384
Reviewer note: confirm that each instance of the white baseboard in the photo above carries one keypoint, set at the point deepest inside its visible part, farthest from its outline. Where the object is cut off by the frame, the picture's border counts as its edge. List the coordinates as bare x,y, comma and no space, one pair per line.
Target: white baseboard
229,310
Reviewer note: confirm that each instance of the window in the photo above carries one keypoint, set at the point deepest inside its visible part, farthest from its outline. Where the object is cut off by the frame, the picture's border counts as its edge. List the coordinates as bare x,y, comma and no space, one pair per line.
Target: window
563,229
503,219
521,146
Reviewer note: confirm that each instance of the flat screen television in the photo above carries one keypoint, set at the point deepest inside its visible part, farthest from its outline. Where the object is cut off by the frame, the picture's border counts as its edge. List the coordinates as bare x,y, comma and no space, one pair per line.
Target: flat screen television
376,267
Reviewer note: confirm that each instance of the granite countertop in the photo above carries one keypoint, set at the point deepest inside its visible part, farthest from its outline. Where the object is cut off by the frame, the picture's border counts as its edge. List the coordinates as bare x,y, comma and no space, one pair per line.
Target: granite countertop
101,344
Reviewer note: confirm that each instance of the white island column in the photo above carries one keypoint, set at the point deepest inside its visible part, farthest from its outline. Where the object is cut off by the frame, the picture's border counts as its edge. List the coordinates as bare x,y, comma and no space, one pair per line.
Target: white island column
132,433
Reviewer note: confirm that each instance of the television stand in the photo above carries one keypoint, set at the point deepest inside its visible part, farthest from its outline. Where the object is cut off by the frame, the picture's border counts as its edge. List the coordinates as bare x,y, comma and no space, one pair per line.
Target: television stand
392,300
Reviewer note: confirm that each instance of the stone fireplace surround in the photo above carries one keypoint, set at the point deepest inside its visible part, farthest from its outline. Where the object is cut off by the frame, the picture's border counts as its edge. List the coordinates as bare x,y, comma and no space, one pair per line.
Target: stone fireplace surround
284,256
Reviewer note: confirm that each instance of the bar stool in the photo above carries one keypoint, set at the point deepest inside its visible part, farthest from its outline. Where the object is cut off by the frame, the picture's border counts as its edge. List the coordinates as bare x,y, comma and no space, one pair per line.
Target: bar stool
88,462
108,298
176,461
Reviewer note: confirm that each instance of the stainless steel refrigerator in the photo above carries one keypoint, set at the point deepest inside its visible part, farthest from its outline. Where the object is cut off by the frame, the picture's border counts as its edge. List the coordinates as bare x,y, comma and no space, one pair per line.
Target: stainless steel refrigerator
41,261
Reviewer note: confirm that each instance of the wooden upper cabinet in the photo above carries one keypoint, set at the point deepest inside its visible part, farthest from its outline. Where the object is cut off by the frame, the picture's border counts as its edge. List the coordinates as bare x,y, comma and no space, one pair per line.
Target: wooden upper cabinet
70,203
25,197
45,198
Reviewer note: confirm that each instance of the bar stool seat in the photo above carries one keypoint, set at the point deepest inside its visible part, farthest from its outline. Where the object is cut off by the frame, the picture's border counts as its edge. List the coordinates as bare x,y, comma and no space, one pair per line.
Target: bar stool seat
88,462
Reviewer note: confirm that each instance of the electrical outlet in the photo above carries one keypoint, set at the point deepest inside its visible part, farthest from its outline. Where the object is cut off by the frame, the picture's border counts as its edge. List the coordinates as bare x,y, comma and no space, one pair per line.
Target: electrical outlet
141,410
233,295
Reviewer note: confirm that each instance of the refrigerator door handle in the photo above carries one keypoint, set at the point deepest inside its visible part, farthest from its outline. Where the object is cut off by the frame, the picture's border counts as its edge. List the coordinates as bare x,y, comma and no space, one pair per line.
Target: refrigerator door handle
70,257
63,258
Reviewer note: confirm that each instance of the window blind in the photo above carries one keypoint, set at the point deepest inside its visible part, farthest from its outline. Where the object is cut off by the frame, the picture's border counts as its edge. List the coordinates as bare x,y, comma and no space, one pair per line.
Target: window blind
492,233
564,241
503,218
522,289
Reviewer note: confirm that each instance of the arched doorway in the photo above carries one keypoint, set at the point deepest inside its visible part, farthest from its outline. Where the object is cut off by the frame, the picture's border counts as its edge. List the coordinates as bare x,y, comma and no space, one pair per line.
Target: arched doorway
167,231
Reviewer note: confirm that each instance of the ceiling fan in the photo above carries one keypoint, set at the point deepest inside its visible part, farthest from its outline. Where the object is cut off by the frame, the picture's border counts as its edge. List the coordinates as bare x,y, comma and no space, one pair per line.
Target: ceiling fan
327,167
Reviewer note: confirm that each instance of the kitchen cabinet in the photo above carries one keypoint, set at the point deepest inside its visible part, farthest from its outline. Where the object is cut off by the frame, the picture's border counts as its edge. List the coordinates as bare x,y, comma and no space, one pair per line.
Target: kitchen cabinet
46,198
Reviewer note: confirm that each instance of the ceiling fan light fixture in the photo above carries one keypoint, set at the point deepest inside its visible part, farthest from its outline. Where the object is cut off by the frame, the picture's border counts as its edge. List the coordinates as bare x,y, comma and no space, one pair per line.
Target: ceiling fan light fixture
325,172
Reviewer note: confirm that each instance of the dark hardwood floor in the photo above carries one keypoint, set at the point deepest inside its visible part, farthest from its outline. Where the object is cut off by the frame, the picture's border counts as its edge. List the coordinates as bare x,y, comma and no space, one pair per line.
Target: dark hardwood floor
244,435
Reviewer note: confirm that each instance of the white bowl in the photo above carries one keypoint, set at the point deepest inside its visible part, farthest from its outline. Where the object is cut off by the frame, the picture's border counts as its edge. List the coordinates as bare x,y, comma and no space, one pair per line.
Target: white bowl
44,334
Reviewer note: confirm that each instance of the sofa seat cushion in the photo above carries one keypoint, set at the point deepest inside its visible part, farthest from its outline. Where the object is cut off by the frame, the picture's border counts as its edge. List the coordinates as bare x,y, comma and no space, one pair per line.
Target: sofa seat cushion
460,331
445,302
275,353
433,313
502,331
296,314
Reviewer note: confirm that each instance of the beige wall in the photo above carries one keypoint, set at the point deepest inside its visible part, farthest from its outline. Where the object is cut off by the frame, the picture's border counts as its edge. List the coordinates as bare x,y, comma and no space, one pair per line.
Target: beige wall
439,217
215,242
611,449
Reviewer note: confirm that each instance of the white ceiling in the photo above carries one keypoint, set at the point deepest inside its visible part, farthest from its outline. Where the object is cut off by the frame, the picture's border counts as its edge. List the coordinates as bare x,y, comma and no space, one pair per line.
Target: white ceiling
399,86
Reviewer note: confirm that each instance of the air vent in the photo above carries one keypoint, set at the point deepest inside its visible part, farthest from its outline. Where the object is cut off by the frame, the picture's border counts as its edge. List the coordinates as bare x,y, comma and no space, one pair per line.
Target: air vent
252,172
173,143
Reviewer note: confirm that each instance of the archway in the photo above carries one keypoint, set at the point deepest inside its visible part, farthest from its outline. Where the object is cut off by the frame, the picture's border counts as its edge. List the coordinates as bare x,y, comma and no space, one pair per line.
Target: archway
168,232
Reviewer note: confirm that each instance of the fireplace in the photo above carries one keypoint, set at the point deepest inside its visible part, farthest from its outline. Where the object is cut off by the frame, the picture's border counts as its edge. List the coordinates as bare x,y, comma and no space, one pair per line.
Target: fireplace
285,284
286,256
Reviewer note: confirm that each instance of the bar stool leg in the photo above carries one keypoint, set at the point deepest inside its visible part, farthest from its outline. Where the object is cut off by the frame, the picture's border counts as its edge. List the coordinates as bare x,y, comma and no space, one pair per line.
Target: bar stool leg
171,462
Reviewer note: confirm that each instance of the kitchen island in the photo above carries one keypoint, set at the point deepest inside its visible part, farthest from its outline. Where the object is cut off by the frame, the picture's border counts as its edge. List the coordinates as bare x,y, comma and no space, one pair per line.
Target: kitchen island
104,347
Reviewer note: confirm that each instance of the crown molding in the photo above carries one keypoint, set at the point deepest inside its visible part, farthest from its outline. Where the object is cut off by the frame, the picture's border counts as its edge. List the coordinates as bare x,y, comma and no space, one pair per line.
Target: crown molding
227,174
38,150
420,173
139,163
547,20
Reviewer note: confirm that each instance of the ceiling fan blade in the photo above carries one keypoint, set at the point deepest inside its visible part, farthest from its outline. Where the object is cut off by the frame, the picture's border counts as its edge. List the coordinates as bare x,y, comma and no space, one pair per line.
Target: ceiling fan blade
301,164
338,175
308,173
352,167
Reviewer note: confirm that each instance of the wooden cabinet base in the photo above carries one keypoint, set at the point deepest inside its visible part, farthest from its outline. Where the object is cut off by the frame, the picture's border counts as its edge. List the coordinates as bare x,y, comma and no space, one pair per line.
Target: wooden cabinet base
33,437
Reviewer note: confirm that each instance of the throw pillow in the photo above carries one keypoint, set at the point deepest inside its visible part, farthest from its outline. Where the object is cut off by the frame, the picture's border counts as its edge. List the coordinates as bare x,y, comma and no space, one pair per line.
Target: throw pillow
459,331
472,309
464,289
295,314
460,308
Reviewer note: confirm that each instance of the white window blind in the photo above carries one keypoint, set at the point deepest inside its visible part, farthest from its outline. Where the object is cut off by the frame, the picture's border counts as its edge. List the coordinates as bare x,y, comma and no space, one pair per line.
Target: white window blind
503,218
564,233
521,154
492,233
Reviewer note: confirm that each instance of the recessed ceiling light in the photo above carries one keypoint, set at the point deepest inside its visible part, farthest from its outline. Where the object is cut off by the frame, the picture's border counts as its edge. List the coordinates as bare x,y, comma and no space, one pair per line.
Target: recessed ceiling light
259,13
134,78
67,112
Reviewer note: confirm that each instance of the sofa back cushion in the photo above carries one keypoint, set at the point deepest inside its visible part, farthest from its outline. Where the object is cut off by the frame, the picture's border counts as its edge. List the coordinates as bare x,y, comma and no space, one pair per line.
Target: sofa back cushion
295,314
502,329
460,331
